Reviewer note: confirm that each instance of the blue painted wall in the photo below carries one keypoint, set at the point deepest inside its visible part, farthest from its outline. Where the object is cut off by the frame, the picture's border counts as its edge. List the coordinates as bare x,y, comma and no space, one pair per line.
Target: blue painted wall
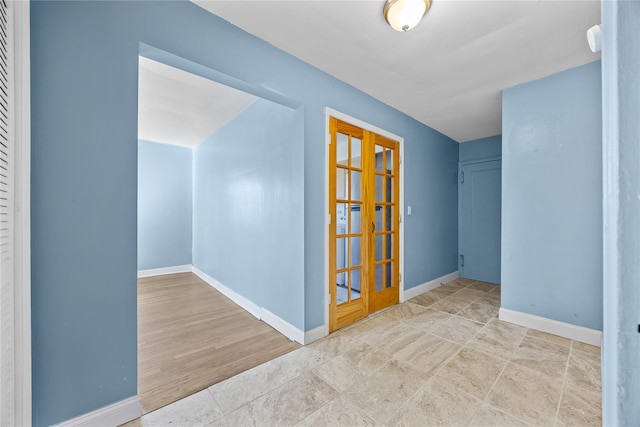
248,208
480,149
430,179
84,61
164,205
621,108
552,197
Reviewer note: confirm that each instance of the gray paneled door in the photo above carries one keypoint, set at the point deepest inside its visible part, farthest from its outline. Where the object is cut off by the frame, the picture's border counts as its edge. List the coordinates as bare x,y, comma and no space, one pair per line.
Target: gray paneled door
480,220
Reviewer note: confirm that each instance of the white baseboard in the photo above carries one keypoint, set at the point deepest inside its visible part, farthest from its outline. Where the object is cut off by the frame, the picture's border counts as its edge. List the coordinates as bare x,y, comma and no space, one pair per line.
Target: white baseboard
112,415
243,302
277,323
428,286
282,326
566,330
187,268
315,334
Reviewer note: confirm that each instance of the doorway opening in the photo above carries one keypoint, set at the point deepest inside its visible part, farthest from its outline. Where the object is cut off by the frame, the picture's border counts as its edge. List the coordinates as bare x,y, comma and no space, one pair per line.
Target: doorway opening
208,157
364,178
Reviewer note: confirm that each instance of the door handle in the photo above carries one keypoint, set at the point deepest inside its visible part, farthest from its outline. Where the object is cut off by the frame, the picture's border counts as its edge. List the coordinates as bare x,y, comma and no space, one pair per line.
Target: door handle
373,226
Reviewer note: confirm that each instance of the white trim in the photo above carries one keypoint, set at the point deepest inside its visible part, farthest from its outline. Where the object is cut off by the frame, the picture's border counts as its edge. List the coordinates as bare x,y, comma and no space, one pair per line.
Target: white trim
112,415
359,123
327,296
315,334
187,268
429,286
243,302
330,112
550,326
22,216
261,313
282,326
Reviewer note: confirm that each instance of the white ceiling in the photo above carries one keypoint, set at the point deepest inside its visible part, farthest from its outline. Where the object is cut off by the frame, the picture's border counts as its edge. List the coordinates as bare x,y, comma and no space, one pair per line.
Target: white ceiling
449,71
180,108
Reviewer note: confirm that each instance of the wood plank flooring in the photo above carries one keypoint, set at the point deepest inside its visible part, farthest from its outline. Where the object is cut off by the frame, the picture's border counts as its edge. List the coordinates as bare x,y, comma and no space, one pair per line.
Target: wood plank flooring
190,337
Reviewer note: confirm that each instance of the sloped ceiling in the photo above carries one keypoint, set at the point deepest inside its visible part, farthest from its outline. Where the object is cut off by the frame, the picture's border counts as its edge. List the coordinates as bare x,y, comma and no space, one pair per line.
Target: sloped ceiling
180,108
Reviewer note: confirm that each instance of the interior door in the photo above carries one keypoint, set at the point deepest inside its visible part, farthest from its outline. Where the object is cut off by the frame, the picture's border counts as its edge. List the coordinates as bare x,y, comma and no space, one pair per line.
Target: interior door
480,221
363,204
386,250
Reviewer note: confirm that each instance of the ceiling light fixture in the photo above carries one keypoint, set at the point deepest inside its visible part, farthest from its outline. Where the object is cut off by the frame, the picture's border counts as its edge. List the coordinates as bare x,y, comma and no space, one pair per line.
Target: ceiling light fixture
403,15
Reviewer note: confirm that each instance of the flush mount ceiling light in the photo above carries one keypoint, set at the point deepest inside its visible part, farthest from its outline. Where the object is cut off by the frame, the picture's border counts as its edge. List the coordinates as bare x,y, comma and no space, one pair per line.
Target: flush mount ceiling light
403,15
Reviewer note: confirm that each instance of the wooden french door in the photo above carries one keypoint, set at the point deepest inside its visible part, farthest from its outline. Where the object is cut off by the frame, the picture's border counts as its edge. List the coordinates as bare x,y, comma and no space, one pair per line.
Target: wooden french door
363,234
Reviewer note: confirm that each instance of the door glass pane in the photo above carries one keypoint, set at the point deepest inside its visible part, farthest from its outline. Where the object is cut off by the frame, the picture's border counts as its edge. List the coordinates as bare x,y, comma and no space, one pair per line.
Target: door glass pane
379,213
356,185
379,158
355,284
341,253
389,247
341,218
356,153
379,188
379,271
388,218
342,183
389,189
379,247
389,275
356,216
389,160
355,251
342,287
342,150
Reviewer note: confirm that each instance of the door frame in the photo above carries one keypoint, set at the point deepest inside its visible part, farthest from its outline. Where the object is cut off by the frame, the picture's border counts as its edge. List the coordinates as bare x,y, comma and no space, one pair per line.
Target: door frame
19,28
329,112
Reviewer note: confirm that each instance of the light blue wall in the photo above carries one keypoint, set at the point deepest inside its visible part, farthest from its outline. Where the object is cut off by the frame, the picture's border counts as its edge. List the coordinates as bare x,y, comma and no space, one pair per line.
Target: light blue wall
552,197
248,208
84,61
431,189
164,205
621,126
480,149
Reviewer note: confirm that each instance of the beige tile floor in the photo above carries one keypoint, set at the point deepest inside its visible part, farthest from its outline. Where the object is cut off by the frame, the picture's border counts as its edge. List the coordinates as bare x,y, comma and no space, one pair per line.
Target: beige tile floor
442,358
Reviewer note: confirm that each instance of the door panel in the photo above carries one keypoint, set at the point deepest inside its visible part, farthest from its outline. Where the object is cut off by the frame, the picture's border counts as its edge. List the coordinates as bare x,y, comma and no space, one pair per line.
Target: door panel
480,221
386,250
346,231
364,244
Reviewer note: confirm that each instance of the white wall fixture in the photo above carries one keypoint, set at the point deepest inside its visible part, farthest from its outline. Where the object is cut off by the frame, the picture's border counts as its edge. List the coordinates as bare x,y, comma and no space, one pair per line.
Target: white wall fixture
403,15
594,37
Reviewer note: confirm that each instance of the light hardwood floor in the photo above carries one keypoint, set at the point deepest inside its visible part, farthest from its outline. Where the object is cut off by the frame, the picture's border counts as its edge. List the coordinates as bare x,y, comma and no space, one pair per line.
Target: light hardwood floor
190,337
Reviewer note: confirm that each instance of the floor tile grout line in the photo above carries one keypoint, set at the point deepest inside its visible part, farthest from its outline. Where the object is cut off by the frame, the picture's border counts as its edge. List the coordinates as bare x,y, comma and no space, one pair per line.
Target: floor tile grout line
217,403
319,409
564,384
304,371
487,397
274,389
406,402
416,367
440,368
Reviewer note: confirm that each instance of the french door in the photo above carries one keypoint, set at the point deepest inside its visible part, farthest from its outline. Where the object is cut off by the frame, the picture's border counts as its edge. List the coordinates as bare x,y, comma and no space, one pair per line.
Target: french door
364,209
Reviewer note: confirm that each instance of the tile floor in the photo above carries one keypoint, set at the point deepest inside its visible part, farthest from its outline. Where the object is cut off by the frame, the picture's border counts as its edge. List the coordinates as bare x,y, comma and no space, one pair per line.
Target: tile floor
442,358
